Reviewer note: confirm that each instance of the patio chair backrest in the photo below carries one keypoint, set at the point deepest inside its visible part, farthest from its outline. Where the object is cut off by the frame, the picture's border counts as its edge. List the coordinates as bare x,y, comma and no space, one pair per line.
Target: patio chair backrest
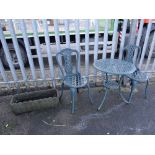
129,52
67,68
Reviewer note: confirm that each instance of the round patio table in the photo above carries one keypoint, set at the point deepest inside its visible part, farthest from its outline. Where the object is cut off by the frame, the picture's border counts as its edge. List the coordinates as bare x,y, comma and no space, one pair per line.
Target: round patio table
114,67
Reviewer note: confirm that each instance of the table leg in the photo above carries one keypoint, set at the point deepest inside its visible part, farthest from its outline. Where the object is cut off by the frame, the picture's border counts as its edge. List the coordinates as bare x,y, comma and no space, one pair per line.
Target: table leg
104,97
133,84
120,93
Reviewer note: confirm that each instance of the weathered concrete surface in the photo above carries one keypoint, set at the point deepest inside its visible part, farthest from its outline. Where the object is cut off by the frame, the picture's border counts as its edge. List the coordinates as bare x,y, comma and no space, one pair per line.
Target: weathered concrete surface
115,117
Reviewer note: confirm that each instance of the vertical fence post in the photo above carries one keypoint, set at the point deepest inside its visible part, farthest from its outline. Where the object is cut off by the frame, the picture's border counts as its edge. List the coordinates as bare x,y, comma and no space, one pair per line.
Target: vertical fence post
4,76
28,50
138,38
145,43
57,38
123,38
153,66
133,31
151,52
17,49
105,39
87,47
67,33
96,45
78,41
7,54
50,60
114,39
37,43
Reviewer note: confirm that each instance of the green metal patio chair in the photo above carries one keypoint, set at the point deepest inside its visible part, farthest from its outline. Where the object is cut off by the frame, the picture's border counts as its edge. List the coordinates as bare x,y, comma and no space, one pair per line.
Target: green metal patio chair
70,75
138,76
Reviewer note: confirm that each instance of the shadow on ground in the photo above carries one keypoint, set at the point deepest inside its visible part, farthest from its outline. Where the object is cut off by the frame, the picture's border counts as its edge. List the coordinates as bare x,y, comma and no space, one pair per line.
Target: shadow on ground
115,117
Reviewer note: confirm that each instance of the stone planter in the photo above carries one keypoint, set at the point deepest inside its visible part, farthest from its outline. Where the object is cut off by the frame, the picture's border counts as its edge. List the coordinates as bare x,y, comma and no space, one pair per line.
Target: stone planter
37,100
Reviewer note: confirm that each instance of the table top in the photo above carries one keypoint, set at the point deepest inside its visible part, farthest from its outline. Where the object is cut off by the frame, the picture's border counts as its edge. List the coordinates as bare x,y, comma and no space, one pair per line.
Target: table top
115,66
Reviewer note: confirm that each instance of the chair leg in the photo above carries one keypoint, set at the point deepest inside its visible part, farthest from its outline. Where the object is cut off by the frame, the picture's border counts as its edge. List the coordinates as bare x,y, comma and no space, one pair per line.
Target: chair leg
104,97
62,89
133,84
78,90
73,98
146,86
90,98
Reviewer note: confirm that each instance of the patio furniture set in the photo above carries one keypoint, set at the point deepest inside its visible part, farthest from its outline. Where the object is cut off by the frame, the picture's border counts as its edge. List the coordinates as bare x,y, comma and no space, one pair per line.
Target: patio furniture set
68,61
72,78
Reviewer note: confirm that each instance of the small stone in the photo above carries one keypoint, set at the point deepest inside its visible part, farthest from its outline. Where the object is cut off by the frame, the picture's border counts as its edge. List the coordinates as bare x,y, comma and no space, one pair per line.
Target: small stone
6,125
108,133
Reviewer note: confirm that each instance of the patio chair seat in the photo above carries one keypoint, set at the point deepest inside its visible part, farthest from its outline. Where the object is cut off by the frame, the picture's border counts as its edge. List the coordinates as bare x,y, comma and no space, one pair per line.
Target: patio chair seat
138,76
111,84
75,81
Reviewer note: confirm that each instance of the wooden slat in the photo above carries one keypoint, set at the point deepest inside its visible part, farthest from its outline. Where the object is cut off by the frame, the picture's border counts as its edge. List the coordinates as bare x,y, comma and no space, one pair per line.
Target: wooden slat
4,76
37,43
133,28
138,38
49,52
114,39
28,50
57,39
17,49
123,38
77,37
105,39
145,43
7,54
153,66
87,47
151,52
96,45
66,21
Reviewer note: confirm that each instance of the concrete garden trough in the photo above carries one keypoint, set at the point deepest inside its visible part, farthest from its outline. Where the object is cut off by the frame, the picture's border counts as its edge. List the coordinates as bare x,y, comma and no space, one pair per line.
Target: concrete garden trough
36,100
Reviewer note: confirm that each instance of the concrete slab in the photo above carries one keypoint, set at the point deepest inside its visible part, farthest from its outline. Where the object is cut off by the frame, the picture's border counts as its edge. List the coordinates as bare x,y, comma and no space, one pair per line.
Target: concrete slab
115,117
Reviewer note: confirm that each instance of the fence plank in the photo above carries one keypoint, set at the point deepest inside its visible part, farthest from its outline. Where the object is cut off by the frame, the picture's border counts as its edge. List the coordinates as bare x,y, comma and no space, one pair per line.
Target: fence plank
2,72
17,49
145,43
151,52
133,31
37,43
153,66
7,54
66,21
77,37
49,53
105,39
114,39
123,38
87,47
138,38
96,45
28,50
57,38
